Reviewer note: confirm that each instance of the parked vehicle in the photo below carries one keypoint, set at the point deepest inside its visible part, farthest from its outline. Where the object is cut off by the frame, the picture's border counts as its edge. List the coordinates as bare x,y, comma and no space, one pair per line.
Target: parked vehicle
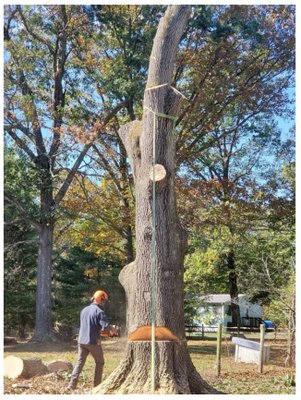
269,325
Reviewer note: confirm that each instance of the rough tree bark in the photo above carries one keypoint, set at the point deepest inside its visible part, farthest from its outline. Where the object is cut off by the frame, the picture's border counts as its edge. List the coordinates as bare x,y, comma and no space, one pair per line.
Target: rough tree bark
230,261
233,289
290,360
175,372
125,207
43,327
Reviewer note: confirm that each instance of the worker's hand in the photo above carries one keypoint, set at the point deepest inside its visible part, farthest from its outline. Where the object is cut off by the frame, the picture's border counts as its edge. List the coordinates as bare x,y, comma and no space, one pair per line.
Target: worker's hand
114,330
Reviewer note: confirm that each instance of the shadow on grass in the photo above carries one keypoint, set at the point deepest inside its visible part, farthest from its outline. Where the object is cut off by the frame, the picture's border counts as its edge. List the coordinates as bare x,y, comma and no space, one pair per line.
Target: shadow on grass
227,350
32,347
202,349
200,338
57,347
277,356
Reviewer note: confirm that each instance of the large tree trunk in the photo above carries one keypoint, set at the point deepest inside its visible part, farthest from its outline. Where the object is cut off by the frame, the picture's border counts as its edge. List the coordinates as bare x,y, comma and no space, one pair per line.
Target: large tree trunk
175,372
43,326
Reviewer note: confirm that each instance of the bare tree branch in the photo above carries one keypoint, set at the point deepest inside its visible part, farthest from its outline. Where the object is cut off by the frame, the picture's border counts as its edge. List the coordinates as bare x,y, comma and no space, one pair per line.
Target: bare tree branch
34,34
21,143
7,26
13,222
12,200
62,191
108,168
14,124
11,246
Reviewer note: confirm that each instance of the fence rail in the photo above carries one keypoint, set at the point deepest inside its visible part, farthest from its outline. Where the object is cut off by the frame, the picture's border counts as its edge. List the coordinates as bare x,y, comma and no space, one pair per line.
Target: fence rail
196,330
201,330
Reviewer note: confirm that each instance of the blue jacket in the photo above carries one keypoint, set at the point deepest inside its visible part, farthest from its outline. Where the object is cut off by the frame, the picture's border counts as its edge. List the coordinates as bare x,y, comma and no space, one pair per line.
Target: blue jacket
92,320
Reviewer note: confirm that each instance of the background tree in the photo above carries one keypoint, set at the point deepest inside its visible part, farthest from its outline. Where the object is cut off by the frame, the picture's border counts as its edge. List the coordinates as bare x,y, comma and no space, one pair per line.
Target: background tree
244,77
40,43
82,261
98,223
264,234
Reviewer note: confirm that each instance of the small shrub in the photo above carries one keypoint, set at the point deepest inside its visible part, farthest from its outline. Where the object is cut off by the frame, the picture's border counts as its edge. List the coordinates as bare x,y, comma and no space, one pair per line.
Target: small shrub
290,379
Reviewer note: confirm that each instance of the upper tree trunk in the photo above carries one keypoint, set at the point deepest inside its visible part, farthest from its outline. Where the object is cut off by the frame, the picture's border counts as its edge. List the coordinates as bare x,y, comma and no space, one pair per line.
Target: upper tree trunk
43,326
233,289
125,207
175,372
170,238
232,275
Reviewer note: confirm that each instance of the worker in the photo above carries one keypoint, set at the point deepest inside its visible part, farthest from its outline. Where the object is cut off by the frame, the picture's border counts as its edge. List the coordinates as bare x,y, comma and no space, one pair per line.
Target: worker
92,320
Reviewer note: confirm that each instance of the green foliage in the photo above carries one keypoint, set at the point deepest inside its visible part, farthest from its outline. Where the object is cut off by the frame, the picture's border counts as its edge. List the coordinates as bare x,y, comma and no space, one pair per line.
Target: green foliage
204,273
269,266
21,179
282,301
77,275
19,247
290,379
100,220
129,32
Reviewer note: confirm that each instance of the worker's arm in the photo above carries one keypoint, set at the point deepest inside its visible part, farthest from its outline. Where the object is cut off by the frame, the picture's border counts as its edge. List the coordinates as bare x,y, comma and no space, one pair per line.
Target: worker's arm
111,330
106,327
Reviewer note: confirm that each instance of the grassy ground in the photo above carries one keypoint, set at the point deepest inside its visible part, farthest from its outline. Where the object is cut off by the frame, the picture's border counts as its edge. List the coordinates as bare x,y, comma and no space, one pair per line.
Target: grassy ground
241,378
235,377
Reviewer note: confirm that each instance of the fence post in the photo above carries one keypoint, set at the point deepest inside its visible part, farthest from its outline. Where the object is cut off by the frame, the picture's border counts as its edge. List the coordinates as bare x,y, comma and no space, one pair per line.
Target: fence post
202,331
218,349
261,350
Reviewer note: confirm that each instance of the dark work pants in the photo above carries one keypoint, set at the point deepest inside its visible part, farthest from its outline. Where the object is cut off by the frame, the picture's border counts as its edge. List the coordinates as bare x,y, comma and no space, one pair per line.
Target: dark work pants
83,352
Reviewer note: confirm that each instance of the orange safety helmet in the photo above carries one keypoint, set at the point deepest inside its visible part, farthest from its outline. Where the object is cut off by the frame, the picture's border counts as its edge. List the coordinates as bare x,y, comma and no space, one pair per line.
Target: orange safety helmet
99,296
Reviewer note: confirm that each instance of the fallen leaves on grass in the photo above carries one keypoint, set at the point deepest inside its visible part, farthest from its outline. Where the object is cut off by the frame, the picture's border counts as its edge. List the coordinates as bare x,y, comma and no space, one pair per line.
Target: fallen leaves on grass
54,383
251,382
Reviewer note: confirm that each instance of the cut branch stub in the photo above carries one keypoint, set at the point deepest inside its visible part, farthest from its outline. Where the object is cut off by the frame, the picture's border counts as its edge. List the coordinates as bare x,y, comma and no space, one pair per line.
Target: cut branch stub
130,135
158,172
